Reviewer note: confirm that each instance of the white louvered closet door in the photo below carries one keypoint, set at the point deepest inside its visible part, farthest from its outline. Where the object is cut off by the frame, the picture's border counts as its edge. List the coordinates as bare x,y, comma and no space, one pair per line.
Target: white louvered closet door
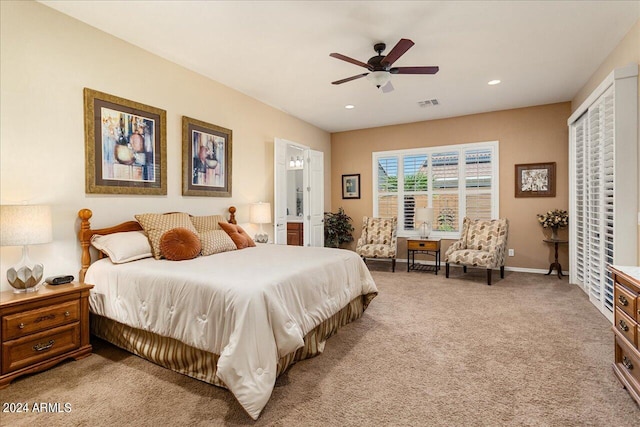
604,186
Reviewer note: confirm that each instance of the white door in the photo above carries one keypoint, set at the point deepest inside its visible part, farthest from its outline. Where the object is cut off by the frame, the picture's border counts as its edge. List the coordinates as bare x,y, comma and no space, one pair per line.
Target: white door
280,191
315,191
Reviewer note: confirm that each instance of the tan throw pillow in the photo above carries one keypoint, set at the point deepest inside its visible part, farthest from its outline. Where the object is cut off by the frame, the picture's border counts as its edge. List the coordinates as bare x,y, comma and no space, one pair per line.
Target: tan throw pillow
238,235
155,225
180,244
216,241
207,223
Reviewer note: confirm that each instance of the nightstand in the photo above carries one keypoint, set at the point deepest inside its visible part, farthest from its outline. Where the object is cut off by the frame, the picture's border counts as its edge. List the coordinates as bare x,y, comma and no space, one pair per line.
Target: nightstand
425,246
41,329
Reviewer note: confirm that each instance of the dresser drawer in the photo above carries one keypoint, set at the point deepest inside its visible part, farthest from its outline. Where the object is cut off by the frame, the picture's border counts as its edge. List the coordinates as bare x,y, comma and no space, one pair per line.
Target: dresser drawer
423,245
31,349
626,300
40,319
628,361
626,326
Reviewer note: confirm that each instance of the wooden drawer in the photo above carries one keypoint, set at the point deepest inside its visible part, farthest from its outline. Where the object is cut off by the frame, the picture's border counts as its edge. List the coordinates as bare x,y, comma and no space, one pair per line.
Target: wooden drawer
627,361
626,300
35,348
626,326
40,319
423,245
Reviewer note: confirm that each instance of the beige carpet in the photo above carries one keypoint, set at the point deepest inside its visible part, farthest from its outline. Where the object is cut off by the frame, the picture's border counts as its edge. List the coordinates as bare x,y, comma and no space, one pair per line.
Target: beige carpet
528,351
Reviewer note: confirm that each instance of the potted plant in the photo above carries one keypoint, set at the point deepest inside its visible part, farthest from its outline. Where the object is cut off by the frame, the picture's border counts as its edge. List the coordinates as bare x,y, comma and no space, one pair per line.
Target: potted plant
554,219
337,229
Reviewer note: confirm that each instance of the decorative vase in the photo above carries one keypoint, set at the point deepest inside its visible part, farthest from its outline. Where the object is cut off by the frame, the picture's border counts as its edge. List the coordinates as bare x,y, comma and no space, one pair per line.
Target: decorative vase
554,233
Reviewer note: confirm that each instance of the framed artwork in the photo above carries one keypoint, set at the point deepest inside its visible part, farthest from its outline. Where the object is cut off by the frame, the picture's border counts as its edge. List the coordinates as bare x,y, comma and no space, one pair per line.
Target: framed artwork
206,159
125,146
351,186
536,180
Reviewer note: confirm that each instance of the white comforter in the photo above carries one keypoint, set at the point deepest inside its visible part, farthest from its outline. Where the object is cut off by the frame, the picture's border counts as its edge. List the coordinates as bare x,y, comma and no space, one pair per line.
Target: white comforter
250,306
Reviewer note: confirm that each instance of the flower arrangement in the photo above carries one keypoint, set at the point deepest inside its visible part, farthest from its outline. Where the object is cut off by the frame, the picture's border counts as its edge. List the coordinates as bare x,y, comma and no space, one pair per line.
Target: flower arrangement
556,218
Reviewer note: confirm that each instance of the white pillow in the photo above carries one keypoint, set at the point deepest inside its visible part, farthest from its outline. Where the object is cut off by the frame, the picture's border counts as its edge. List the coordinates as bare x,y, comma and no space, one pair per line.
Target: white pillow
123,247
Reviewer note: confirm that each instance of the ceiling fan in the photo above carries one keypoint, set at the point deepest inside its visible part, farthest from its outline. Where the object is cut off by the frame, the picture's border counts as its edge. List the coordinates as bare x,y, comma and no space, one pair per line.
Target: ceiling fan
380,66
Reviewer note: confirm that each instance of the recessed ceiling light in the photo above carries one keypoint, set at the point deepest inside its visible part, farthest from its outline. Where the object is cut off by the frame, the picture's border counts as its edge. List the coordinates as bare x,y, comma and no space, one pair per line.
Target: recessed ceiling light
349,107
494,82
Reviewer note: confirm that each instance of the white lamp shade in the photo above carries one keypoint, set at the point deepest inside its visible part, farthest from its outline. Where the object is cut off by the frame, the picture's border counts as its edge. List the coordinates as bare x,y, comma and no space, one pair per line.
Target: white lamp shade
260,213
424,215
25,225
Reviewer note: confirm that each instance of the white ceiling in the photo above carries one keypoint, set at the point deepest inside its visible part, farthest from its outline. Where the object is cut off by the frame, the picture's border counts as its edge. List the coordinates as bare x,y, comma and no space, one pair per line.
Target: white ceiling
278,51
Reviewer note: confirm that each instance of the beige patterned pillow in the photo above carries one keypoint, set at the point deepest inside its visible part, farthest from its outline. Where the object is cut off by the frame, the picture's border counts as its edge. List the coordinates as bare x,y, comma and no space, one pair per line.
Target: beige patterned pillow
207,223
216,241
155,225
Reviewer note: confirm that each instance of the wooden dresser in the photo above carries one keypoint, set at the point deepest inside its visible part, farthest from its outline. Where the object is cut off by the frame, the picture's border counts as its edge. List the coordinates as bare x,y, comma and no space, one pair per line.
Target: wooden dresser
43,328
626,329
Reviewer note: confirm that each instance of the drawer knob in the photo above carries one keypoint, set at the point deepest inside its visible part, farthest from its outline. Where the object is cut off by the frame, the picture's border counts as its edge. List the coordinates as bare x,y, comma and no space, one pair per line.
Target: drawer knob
623,326
21,326
44,346
623,300
627,363
67,314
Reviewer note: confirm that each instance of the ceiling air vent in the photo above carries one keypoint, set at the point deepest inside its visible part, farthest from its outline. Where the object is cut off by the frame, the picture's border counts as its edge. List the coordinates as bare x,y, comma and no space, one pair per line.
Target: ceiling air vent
428,102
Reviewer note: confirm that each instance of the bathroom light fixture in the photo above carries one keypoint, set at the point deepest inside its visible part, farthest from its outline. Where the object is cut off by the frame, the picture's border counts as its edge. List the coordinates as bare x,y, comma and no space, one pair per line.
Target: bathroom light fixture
493,82
292,163
349,106
23,225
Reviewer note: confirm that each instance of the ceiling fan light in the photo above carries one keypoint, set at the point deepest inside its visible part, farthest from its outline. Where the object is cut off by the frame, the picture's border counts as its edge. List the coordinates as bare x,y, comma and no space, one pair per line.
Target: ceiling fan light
379,78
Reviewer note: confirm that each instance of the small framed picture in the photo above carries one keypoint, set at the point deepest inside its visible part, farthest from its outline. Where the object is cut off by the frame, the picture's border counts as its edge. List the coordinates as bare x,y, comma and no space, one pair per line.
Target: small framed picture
206,159
536,180
351,186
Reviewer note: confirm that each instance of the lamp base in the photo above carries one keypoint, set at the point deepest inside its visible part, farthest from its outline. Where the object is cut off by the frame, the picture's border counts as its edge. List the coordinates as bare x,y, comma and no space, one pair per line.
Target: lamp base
425,230
261,237
25,276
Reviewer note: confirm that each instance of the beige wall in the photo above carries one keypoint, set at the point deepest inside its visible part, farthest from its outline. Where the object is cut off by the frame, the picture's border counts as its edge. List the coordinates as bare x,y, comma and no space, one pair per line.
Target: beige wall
526,135
46,60
627,52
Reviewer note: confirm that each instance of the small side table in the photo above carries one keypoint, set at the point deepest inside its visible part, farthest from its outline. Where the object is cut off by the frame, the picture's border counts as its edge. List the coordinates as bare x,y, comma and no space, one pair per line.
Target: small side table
426,246
555,264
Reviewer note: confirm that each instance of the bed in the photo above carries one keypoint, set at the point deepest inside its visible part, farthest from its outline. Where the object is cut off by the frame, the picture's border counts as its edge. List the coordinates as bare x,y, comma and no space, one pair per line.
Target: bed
237,319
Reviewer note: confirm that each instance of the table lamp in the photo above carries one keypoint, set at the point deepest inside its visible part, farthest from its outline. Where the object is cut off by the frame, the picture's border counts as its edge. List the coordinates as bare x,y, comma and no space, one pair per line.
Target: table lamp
260,213
22,225
425,216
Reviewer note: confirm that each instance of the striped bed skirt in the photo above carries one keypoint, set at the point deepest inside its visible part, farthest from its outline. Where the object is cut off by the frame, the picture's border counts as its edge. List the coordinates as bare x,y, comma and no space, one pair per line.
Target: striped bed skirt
202,365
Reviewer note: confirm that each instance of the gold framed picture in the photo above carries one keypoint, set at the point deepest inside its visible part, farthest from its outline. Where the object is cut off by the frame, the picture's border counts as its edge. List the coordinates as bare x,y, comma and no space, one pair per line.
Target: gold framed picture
125,146
206,159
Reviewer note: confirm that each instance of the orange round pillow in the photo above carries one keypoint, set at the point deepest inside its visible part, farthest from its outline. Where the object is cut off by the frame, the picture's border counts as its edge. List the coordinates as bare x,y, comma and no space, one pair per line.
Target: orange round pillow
179,244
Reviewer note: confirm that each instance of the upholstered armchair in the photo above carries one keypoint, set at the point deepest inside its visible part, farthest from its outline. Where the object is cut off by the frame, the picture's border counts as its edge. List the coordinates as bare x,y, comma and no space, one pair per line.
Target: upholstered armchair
482,244
378,239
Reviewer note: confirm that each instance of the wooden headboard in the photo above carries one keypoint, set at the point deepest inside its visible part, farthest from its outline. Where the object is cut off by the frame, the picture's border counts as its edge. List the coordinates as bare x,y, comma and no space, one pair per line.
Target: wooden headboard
85,234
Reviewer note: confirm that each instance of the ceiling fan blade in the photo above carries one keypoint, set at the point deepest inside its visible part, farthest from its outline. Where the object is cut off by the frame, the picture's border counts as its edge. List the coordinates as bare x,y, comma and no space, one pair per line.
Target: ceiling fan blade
398,50
387,88
350,60
348,79
414,70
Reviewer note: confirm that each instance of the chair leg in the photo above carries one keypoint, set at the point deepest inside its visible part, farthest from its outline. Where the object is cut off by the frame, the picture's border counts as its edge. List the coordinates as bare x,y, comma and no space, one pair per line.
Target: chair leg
502,271
446,270
393,265
489,276
464,268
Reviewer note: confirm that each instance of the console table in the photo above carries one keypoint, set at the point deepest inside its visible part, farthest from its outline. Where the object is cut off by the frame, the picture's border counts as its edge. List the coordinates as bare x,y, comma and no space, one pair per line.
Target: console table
426,246
555,264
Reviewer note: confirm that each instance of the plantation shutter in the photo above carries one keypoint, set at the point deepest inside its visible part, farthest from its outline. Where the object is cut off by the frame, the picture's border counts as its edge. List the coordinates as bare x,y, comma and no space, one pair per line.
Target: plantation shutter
604,186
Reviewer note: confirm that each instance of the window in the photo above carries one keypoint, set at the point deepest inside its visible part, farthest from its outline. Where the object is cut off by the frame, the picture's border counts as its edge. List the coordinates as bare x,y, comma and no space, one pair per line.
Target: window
456,181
